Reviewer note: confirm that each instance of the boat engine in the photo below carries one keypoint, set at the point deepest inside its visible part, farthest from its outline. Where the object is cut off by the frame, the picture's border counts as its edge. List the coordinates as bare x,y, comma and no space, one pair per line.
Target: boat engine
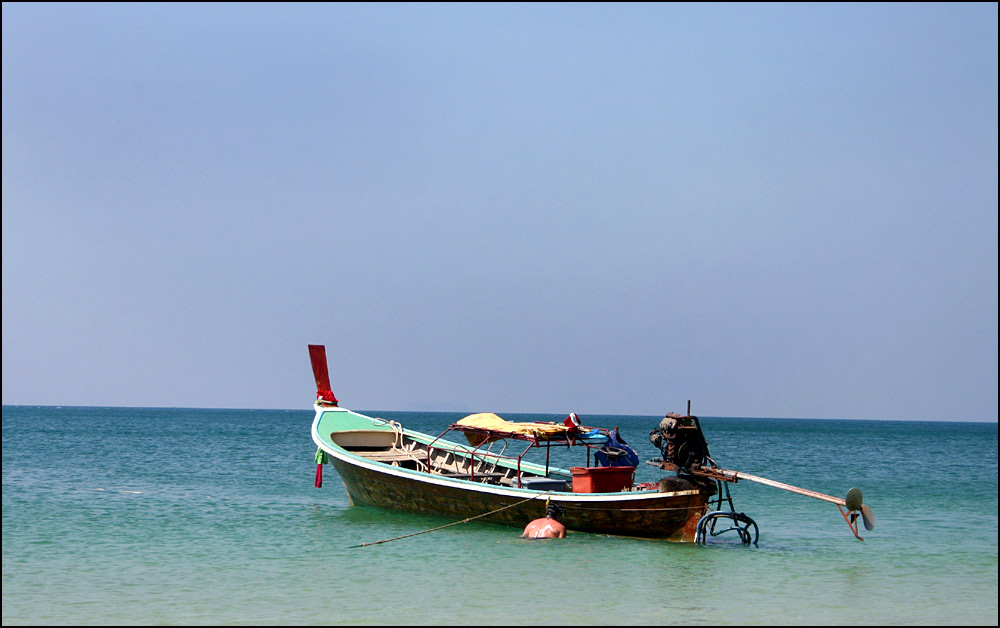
684,448
680,440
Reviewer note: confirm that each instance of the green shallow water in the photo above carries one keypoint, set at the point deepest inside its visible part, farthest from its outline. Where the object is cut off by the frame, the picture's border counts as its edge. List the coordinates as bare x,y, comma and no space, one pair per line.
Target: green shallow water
176,516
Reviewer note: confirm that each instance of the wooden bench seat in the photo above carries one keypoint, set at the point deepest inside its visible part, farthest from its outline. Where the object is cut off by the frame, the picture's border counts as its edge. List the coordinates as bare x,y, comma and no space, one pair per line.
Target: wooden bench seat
389,456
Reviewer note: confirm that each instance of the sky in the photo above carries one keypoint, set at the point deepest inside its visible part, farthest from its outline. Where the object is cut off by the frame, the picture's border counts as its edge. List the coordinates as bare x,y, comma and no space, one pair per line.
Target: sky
771,210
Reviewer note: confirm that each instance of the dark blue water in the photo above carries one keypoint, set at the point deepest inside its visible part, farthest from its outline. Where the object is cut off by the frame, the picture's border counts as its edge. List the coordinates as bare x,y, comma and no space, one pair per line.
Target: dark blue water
177,516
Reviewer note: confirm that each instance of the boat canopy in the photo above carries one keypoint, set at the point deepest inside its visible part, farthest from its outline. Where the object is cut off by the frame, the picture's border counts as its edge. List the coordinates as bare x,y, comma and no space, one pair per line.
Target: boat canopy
485,428
487,421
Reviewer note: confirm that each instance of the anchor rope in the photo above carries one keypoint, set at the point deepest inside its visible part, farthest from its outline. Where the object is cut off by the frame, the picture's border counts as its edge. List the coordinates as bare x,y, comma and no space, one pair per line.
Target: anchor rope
454,523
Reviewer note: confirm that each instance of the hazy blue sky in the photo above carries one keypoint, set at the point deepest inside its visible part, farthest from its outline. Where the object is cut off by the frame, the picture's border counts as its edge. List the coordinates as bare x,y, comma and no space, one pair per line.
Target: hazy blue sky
771,210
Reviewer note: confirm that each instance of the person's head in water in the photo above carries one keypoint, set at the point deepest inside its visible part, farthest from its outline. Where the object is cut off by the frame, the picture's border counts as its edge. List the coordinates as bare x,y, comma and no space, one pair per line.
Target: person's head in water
555,511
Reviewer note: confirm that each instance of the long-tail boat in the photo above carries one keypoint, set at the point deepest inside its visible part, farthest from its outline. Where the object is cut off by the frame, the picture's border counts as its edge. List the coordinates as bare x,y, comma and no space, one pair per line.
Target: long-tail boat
487,476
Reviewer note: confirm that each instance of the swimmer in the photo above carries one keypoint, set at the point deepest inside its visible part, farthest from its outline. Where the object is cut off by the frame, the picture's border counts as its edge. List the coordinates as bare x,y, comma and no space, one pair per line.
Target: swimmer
548,527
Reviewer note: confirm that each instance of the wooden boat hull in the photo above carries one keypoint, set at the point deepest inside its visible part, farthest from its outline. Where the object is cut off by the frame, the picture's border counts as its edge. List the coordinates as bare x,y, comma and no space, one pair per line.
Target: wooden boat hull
648,514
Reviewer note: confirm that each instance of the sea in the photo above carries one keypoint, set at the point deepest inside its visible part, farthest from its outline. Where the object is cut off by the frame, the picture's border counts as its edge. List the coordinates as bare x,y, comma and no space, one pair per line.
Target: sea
167,516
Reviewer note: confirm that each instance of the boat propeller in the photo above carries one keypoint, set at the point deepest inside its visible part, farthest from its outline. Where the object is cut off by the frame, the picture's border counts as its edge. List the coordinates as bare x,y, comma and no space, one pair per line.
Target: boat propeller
855,504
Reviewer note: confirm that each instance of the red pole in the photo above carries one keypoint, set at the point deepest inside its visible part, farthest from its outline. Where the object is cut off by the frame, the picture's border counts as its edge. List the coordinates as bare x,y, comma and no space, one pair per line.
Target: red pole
317,354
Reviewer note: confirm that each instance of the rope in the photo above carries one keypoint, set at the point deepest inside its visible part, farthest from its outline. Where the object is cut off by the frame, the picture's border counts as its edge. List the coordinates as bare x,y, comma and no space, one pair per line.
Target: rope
397,443
448,525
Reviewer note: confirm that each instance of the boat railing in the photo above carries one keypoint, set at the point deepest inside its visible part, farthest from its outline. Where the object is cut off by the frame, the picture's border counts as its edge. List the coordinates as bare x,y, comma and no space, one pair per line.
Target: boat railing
480,437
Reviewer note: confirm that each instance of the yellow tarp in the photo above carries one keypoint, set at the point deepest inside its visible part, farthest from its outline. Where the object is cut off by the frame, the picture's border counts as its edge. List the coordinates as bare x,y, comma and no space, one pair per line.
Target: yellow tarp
490,421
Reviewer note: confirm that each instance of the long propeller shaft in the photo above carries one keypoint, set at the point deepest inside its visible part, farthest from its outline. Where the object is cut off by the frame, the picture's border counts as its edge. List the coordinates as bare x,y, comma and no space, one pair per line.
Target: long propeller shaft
848,507
788,487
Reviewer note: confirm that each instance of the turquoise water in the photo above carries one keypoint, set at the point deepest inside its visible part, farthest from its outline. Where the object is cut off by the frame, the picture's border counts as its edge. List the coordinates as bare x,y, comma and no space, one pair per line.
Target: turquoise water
176,516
